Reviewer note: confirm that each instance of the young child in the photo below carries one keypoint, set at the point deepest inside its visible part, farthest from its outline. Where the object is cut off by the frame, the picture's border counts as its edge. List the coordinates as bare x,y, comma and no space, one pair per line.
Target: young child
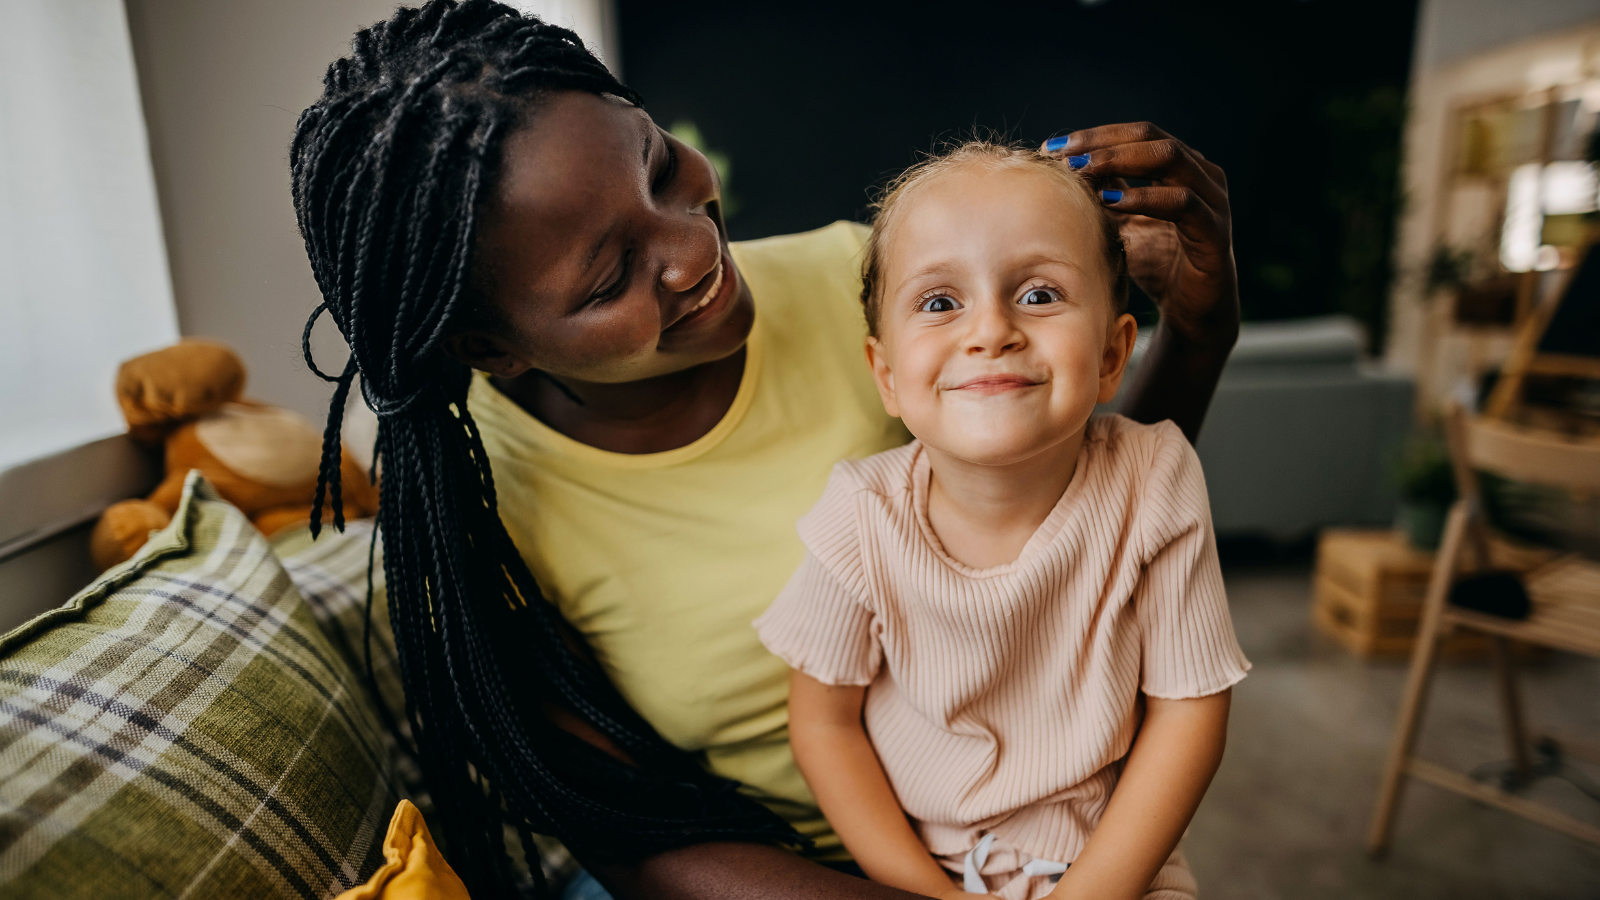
1011,648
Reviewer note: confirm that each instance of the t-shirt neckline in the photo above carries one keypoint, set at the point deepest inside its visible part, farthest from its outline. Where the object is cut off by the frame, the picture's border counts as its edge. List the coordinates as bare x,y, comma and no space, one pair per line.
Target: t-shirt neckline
558,443
1043,536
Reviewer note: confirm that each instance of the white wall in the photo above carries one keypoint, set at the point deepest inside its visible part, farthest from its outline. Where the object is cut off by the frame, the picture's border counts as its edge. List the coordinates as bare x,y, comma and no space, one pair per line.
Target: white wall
83,272
223,84
594,20
1449,30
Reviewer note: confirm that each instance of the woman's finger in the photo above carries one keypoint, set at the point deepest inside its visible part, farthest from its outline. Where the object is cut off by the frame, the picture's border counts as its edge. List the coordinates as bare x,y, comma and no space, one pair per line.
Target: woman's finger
1169,162
1197,222
1090,139
1212,169
1086,141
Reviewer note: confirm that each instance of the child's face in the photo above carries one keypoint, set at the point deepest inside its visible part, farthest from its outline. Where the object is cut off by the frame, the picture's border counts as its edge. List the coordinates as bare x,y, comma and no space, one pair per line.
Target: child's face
996,331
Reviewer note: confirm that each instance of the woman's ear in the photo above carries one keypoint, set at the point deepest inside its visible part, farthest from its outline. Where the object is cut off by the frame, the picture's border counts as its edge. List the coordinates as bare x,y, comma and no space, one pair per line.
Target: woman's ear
883,376
1114,362
487,352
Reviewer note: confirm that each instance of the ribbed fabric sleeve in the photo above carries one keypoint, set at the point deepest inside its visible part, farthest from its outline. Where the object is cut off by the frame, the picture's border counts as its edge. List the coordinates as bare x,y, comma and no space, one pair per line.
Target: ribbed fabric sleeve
818,626
1188,640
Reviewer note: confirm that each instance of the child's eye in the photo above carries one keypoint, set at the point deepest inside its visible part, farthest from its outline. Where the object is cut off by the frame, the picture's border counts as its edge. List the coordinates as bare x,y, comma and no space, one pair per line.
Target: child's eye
938,304
1038,297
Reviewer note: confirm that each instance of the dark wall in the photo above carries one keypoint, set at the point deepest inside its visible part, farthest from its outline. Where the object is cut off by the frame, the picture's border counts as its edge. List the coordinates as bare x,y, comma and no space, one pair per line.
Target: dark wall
1299,100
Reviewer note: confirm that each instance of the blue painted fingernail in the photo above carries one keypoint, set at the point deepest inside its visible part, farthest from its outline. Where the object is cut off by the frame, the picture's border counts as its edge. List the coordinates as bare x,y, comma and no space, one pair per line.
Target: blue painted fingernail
1056,143
1111,196
1077,162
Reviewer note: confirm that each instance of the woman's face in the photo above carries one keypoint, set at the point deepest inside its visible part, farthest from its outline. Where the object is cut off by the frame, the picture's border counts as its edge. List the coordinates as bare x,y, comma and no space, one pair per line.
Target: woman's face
603,251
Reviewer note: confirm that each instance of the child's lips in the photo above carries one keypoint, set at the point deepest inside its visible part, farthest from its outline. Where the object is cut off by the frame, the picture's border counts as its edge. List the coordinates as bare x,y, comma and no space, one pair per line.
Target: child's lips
995,384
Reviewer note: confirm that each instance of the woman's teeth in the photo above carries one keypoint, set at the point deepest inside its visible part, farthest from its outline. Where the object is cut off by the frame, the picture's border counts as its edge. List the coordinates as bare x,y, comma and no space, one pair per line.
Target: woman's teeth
716,285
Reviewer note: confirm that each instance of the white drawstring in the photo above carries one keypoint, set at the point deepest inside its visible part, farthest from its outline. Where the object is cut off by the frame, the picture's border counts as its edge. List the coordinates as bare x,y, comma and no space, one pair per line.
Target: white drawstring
1043,867
972,881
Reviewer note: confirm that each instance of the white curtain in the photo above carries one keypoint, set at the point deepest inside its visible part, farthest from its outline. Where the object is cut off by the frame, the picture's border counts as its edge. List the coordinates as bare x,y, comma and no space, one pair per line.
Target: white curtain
83,269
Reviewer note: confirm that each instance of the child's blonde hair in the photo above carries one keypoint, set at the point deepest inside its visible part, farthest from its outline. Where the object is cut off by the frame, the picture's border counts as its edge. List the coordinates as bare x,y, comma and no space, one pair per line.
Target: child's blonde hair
998,155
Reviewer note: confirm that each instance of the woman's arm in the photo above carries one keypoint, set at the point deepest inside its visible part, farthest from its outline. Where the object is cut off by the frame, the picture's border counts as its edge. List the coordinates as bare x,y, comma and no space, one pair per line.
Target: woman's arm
727,870
1168,770
1178,232
832,759
737,871
833,753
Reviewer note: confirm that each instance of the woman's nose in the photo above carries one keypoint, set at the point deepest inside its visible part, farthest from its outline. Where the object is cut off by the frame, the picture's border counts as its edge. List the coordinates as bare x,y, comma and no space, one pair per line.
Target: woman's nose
693,251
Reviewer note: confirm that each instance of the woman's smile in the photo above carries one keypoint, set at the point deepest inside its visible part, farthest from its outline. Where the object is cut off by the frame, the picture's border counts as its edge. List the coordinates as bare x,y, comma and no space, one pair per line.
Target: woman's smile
714,303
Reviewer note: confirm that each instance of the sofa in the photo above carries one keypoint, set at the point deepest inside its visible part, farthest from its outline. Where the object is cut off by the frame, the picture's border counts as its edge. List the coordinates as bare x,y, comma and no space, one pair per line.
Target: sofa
203,721
1304,431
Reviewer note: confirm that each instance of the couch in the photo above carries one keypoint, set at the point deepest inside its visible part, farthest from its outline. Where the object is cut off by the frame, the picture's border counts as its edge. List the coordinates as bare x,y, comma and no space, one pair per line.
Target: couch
202,721
1304,431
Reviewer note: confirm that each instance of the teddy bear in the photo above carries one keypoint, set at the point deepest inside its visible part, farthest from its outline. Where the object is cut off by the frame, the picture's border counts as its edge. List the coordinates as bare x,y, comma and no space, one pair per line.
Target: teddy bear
187,399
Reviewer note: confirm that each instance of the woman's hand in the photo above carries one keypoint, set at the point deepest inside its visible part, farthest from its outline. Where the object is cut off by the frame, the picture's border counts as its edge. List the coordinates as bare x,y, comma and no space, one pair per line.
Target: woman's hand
1178,230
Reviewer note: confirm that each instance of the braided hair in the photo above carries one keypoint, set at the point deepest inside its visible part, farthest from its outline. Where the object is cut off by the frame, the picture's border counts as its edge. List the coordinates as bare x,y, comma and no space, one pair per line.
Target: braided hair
390,170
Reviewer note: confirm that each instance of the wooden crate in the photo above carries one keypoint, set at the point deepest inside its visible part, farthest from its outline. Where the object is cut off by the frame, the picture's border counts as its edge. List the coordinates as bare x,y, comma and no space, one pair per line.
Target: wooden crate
1369,587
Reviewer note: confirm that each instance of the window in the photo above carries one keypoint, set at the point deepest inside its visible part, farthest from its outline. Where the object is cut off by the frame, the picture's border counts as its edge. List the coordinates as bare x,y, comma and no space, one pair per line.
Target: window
83,268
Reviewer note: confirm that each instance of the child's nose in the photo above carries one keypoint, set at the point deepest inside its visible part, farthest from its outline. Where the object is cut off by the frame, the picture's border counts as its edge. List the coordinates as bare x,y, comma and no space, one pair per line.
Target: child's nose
994,330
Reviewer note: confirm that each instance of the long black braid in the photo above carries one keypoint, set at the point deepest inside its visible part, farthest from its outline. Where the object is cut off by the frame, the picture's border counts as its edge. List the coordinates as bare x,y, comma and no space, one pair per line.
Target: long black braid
391,168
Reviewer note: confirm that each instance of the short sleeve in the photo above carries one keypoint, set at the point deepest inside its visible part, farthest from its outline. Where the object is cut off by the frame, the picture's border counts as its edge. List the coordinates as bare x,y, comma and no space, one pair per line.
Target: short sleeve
819,626
1187,634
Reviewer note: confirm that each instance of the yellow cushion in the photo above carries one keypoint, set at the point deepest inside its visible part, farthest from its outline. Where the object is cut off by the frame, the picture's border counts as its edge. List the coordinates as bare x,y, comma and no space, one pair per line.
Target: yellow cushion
413,868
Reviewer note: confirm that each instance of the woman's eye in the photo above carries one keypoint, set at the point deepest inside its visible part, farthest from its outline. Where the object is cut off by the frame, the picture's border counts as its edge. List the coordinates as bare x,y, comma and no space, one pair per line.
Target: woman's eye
668,170
939,304
1038,297
613,288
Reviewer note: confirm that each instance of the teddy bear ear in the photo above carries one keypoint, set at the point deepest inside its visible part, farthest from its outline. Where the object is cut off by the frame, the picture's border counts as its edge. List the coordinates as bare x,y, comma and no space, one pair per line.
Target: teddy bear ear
176,384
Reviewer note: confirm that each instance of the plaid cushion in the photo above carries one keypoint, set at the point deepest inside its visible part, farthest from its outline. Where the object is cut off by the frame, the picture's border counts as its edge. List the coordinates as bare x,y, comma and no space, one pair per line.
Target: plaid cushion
331,573
183,727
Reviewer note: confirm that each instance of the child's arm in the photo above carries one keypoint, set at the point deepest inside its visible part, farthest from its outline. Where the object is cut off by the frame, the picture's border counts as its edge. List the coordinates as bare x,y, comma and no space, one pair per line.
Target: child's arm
833,752
1168,769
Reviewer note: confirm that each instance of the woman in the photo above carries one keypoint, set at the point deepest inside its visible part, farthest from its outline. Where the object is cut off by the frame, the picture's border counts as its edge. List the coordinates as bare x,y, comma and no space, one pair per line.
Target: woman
656,407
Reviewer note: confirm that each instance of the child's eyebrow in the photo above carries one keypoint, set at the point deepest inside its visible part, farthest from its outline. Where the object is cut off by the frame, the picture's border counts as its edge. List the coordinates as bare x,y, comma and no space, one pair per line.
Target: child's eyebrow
938,268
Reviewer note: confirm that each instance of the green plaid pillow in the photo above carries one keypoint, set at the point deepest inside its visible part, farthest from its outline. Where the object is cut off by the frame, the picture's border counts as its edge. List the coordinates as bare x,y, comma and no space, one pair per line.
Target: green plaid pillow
331,574
183,727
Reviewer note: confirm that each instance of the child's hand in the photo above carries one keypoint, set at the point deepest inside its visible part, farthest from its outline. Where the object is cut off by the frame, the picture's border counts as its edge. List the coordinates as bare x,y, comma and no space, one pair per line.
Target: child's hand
956,893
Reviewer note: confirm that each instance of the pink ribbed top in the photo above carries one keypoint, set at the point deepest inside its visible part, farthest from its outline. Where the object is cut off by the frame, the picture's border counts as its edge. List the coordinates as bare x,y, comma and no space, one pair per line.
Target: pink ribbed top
1003,699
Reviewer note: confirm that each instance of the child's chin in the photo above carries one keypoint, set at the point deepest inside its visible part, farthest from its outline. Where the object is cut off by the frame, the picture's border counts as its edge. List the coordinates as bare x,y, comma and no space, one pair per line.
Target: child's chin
992,450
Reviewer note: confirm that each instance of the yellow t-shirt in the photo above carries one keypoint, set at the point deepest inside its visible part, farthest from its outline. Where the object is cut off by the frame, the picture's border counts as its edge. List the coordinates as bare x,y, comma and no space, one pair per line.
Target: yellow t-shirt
663,560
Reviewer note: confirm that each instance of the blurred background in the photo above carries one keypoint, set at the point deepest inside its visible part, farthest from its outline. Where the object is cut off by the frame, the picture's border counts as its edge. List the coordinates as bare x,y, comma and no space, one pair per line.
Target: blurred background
1413,190
1302,104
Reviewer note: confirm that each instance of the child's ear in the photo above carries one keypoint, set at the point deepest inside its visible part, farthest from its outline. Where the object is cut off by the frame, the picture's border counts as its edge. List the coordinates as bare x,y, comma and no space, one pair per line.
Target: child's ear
882,376
1114,362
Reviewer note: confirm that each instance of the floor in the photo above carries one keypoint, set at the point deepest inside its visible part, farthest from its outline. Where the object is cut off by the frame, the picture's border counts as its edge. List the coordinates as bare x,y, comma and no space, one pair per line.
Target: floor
1287,814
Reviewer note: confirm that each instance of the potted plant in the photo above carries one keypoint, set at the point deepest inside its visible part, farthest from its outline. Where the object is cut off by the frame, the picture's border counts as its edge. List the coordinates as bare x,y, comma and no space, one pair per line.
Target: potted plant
1427,488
